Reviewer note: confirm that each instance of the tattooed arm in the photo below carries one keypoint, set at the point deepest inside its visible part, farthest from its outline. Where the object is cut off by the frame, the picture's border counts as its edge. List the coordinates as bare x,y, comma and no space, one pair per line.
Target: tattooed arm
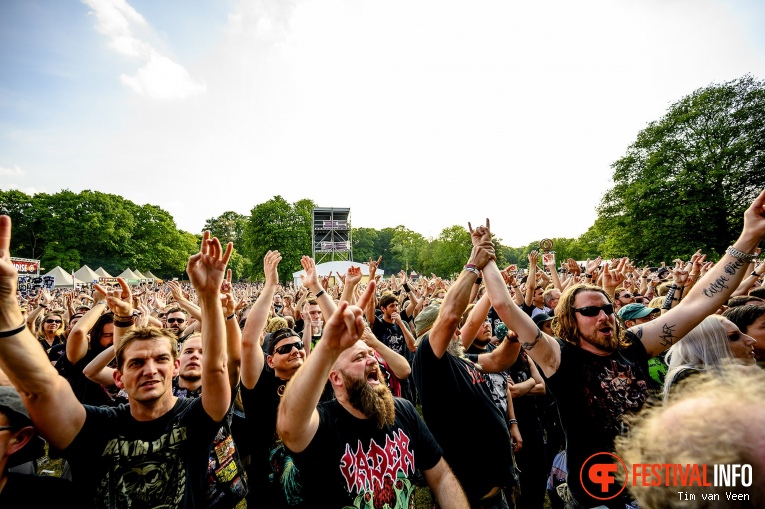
710,292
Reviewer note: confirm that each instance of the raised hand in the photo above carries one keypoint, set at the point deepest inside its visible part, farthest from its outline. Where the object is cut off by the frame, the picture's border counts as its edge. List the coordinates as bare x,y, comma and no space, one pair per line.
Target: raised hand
207,267
533,257
311,278
352,276
271,266
175,290
754,219
119,300
482,233
591,266
373,267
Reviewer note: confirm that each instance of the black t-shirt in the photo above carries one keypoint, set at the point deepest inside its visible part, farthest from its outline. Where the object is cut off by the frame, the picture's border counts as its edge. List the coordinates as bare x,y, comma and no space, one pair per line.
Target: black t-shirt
457,401
525,407
118,461
593,393
391,335
352,463
268,457
226,481
497,382
87,391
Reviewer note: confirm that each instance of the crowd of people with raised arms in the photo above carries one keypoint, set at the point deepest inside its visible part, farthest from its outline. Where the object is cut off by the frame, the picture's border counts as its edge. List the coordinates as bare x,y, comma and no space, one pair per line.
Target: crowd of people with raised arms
491,390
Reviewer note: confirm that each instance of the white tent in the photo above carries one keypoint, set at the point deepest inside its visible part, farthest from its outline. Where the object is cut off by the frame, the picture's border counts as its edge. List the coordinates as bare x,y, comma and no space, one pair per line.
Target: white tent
62,277
86,274
102,273
138,273
149,275
129,276
335,268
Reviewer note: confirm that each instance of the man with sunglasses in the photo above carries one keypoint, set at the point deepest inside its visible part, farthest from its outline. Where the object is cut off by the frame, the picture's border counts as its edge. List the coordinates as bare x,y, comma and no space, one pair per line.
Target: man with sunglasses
264,377
175,320
622,297
598,372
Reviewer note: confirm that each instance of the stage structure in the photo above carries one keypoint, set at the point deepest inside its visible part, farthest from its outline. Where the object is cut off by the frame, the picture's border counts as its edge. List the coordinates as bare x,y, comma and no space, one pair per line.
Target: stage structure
331,235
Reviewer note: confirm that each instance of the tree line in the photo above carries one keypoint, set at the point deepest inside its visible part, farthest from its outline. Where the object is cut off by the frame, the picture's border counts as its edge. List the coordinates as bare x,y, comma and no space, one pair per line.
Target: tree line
681,186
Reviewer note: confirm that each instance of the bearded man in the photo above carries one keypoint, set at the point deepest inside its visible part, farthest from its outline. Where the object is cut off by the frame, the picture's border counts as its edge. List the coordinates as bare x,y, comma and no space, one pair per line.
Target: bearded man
363,448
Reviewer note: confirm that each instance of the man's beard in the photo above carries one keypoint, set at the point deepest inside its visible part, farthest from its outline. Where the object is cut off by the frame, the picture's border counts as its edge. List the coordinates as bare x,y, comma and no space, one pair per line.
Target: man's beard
481,343
604,343
456,349
190,378
374,402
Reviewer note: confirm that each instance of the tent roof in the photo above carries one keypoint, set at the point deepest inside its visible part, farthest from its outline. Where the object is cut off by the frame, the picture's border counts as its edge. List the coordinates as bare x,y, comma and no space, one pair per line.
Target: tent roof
138,273
128,274
86,274
102,273
62,277
148,274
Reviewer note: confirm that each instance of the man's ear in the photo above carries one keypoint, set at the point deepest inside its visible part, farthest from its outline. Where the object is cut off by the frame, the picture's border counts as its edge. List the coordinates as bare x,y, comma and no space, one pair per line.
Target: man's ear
335,378
23,436
177,368
270,361
118,379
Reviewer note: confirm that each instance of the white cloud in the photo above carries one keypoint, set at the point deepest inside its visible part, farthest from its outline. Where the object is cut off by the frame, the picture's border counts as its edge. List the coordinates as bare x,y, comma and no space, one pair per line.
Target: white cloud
160,77
15,171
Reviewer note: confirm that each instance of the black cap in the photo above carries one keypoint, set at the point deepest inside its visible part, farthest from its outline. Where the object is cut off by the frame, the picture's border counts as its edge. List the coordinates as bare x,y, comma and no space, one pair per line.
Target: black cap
277,336
540,318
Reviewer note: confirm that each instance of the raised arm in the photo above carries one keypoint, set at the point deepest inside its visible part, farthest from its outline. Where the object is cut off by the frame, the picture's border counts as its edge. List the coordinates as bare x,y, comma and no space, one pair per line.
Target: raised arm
352,278
297,418
183,302
456,300
396,362
531,281
539,346
49,398
475,319
712,290
252,345
369,309
233,332
206,270
77,342
311,281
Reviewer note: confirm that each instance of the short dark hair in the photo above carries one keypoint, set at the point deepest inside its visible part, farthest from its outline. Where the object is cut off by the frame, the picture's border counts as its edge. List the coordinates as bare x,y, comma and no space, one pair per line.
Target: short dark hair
279,335
387,299
758,292
744,316
176,310
743,300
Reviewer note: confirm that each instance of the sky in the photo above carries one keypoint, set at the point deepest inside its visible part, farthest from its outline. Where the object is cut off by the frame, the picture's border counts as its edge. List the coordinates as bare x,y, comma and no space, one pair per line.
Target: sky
422,113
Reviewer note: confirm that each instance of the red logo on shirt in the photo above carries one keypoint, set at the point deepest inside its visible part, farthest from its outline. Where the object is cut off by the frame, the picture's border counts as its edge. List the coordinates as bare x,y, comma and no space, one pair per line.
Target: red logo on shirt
366,470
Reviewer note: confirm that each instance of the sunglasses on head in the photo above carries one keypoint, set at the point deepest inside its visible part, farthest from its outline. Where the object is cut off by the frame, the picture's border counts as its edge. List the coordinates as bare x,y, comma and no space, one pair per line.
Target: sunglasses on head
176,320
595,310
52,321
285,349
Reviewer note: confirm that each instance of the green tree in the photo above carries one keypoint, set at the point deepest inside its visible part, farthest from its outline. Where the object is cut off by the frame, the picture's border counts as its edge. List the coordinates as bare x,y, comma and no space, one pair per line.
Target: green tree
277,224
687,179
228,227
406,246
363,243
451,251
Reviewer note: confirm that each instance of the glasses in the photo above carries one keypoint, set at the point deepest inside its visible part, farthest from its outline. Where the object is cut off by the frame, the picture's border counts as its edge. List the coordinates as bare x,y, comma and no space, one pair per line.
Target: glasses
625,296
595,310
52,321
5,428
176,320
285,349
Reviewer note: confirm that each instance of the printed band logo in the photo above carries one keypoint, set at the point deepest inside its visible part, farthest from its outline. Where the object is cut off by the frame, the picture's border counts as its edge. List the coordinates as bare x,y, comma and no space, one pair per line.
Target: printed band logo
600,475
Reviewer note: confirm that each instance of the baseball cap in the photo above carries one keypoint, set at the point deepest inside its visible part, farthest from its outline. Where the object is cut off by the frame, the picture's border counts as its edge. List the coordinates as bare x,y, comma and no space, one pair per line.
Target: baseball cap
540,318
425,320
279,335
635,311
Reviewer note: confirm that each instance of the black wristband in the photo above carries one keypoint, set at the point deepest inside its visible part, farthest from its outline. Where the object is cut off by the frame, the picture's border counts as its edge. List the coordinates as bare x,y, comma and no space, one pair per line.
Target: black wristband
319,294
13,332
406,288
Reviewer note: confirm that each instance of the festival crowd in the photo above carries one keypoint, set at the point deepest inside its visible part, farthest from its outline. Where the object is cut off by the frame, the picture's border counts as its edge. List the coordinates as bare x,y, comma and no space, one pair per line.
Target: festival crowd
492,390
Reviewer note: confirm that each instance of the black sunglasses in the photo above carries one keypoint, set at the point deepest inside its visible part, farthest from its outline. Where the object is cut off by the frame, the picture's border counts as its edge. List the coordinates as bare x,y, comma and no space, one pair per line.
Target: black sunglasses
626,295
285,349
53,321
176,320
595,310
3,428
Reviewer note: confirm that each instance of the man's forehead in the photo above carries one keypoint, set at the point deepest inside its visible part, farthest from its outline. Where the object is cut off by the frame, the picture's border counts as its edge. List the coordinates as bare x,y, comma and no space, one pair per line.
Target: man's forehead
589,296
194,342
143,348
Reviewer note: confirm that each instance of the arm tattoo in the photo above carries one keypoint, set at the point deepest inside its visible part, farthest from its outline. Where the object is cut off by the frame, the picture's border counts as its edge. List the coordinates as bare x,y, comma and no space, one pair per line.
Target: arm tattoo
667,335
529,346
719,284
638,332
